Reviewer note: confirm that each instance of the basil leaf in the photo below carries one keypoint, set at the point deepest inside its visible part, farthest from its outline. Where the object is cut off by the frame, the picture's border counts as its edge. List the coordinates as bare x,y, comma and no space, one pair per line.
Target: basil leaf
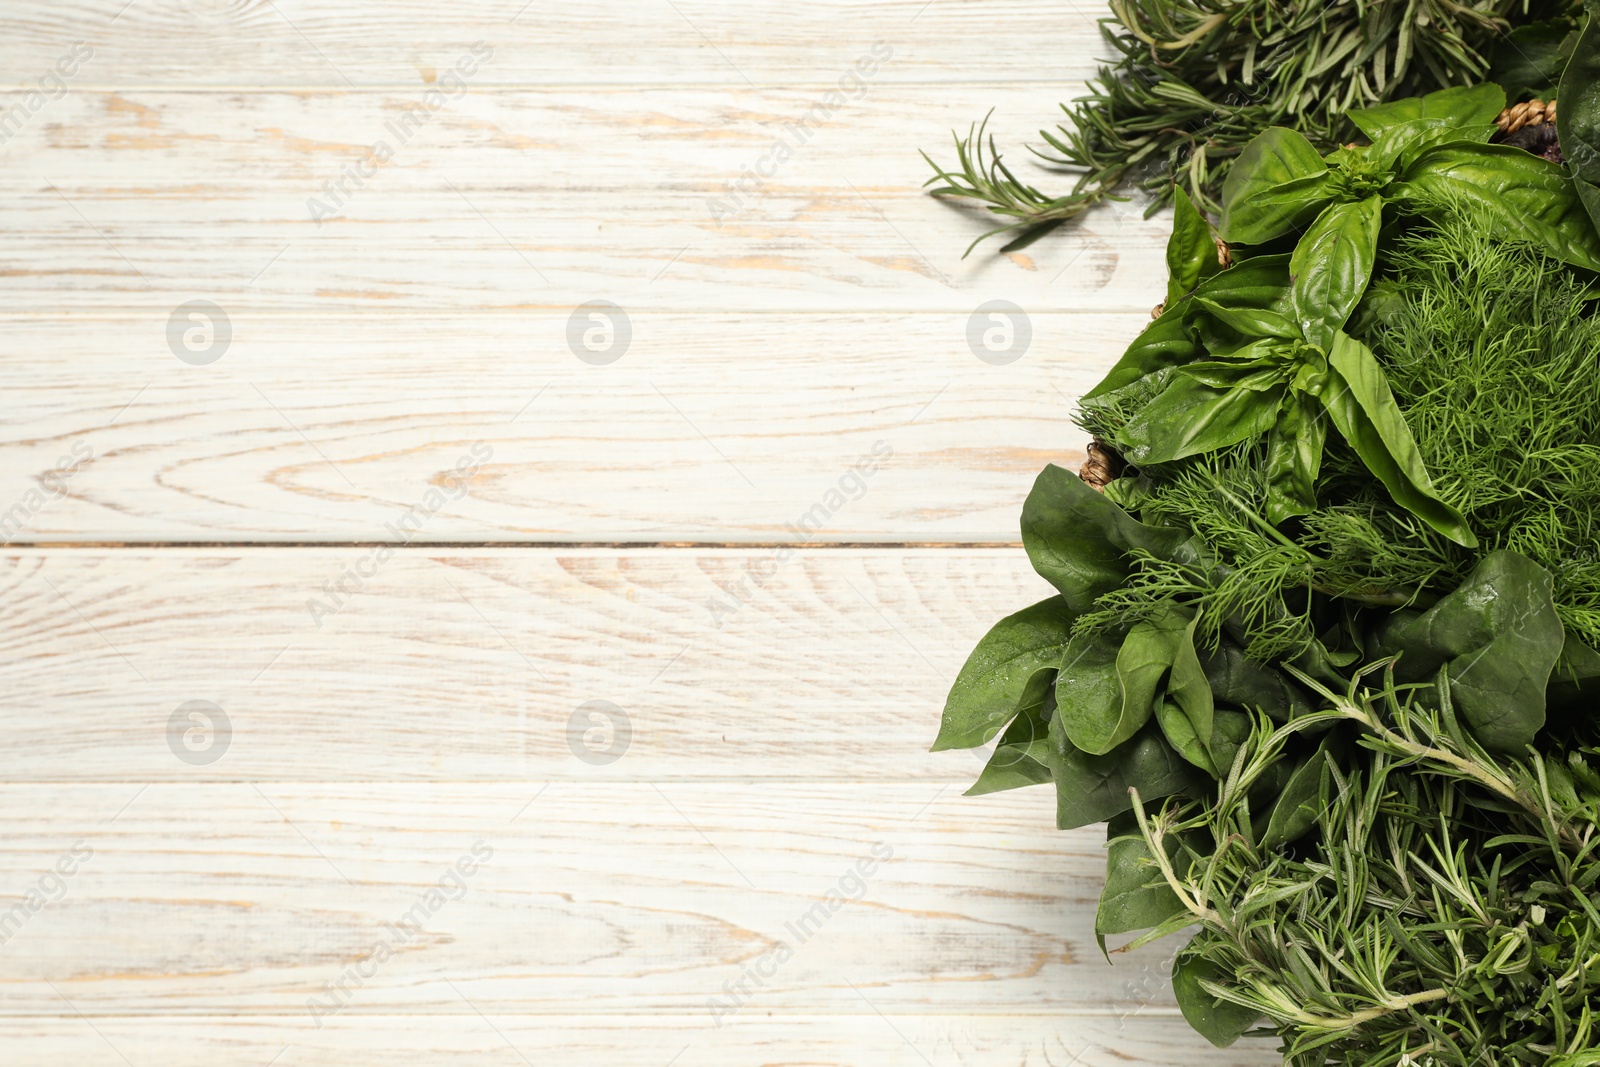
1498,638
1166,342
995,681
1519,196
1258,282
1294,458
1191,250
1078,540
1458,106
1136,894
1010,766
1400,145
1186,713
1091,789
1251,322
1279,182
1358,400
1190,418
1220,1022
1332,266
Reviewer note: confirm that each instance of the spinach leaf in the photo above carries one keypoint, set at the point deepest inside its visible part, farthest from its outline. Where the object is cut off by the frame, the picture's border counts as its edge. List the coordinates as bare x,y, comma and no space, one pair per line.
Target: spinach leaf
1136,894
1332,266
1010,766
1106,691
1578,119
998,678
1302,801
1529,60
1243,682
1519,196
1091,789
1220,1022
1359,402
1498,638
1191,250
1278,183
1185,712
1078,540
1457,106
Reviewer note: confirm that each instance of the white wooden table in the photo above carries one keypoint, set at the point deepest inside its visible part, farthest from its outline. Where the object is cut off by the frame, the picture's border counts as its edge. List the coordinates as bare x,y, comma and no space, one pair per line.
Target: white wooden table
282,785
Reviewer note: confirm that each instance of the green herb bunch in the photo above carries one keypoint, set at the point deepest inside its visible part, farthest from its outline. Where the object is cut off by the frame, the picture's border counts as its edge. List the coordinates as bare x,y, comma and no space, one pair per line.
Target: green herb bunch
1324,652
1194,81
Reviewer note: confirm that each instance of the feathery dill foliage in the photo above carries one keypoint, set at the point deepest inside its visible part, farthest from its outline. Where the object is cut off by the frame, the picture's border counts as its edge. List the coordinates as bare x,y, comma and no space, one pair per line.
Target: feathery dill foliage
1195,80
1444,913
1493,354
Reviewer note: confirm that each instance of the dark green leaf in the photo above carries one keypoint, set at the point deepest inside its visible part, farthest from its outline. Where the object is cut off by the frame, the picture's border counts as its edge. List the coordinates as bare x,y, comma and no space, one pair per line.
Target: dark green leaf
1278,183
1459,106
1243,682
1190,418
1091,789
1258,282
1362,408
1248,321
1186,713
1575,681
1010,766
1106,690
1166,342
1529,60
1578,119
1498,637
1517,194
1294,456
1218,1021
995,683
1331,267
1078,540
1191,250
1301,803
1136,894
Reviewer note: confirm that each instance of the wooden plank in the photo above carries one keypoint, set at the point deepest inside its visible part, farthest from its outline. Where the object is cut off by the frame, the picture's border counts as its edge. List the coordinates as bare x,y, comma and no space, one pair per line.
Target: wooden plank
711,427
474,665
709,899
324,42
533,199
1154,1038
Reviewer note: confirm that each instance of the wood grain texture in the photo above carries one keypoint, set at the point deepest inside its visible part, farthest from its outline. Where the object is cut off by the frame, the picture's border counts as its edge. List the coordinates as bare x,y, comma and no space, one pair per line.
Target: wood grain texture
864,1040
471,666
586,897
530,199
713,427
324,42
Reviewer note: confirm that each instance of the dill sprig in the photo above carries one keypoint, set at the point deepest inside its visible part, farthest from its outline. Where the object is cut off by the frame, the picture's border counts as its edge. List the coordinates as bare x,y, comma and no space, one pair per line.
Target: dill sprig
1194,81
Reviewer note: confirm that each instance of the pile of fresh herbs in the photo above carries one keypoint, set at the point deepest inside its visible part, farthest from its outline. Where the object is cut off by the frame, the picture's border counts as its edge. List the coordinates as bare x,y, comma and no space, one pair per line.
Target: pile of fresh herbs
1195,80
1324,652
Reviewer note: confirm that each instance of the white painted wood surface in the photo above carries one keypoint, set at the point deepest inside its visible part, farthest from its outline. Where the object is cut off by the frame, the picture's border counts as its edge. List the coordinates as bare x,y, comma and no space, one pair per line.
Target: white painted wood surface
689,534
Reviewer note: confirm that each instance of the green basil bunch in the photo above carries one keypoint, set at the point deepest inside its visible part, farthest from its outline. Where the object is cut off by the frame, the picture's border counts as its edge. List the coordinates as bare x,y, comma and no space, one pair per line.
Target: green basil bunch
1260,350
1423,150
